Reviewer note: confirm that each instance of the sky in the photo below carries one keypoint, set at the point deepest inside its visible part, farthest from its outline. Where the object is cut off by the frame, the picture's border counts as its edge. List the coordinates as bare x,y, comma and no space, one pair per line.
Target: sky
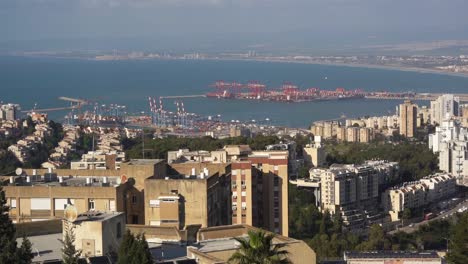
226,25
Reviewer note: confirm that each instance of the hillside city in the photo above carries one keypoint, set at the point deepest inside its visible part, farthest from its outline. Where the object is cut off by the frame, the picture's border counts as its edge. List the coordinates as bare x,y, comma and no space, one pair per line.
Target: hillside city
374,189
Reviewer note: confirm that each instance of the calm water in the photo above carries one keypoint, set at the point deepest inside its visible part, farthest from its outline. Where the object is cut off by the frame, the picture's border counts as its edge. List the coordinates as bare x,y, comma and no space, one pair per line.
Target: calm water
38,80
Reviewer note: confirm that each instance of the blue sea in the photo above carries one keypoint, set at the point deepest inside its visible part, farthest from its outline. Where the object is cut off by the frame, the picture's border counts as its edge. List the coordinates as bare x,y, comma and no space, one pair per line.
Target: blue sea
42,80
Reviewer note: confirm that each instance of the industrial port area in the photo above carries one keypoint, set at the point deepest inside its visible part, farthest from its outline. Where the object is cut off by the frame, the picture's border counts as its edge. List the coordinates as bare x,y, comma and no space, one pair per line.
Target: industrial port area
291,93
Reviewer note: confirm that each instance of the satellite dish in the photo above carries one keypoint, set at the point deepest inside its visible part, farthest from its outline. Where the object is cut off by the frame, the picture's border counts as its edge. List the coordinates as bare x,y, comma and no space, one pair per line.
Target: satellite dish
19,171
70,213
123,178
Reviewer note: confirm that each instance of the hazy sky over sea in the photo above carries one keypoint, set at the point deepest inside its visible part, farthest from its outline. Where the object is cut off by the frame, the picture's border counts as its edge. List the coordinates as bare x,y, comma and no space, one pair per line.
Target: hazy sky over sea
226,24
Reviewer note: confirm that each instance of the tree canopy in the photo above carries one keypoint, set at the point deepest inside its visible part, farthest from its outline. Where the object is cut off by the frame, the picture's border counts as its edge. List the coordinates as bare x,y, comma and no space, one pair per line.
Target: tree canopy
259,248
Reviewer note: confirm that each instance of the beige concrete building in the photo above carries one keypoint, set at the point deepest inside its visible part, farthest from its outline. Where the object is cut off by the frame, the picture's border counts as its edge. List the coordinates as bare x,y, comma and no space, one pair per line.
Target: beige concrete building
97,233
464,115
184,155
366,135
418,194
408,119
392,257
341,134
33,199
193,194
424,116
260,191
217,244
38,194
352,190
314,154
99,160
352,134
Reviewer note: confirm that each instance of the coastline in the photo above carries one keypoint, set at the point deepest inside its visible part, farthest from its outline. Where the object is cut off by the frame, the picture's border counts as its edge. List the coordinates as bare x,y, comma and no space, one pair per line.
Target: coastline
356,65
369,66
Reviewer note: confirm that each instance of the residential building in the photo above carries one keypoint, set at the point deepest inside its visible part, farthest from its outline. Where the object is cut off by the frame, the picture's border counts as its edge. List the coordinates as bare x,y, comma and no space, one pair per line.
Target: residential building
42,194
424,116
235,152
217,244
450,142
184,155
9,112
42,197
464,115
341,134
239,131
408,119
351,190
390,257
445,107
314,154
366,134
352,134
193,194
97,233
418,194
99,160
260,191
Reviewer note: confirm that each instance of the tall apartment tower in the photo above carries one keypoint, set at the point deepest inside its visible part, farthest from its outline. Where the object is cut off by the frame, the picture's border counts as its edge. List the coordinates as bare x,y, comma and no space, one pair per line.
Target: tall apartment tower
408,118
259,187
445,107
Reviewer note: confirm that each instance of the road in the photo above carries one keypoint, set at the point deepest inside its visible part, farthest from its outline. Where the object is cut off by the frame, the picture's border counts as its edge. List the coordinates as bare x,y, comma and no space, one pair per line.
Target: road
446,214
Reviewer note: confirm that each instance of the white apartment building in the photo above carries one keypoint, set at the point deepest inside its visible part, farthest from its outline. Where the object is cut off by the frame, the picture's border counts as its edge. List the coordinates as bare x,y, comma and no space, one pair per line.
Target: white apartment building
99,160
450,141
445,107
418,194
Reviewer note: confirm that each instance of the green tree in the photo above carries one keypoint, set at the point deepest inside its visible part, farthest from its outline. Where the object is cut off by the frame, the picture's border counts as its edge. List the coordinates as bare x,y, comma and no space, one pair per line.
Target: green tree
125,248
376,241
303,173
258,248
24,253
7,232
458,243
134,250
406,214
70,255
141,252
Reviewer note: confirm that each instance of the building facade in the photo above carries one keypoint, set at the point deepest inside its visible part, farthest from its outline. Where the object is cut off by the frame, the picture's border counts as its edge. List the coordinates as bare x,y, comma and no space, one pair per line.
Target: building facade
260,191
408,119
418,194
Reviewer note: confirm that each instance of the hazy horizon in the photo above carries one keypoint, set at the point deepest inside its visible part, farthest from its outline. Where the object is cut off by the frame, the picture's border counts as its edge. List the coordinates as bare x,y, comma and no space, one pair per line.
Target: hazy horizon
226,25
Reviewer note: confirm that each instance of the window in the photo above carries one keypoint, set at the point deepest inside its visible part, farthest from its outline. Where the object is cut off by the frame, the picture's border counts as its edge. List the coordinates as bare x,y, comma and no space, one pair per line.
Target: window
276,181
91,205
135,219
13,203
134,199
243,184
119,230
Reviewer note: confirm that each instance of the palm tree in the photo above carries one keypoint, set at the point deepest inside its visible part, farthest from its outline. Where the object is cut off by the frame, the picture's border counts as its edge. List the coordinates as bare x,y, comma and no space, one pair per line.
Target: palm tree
258,248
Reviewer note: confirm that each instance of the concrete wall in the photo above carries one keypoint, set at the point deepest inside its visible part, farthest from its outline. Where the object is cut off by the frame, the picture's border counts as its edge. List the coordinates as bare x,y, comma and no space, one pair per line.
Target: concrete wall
39,228
159,233
193,197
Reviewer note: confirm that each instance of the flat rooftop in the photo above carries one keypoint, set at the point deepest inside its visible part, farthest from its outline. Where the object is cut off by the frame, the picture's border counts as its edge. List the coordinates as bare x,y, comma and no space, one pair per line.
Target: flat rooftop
144,161
96,216
45,247
81,181
391,255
